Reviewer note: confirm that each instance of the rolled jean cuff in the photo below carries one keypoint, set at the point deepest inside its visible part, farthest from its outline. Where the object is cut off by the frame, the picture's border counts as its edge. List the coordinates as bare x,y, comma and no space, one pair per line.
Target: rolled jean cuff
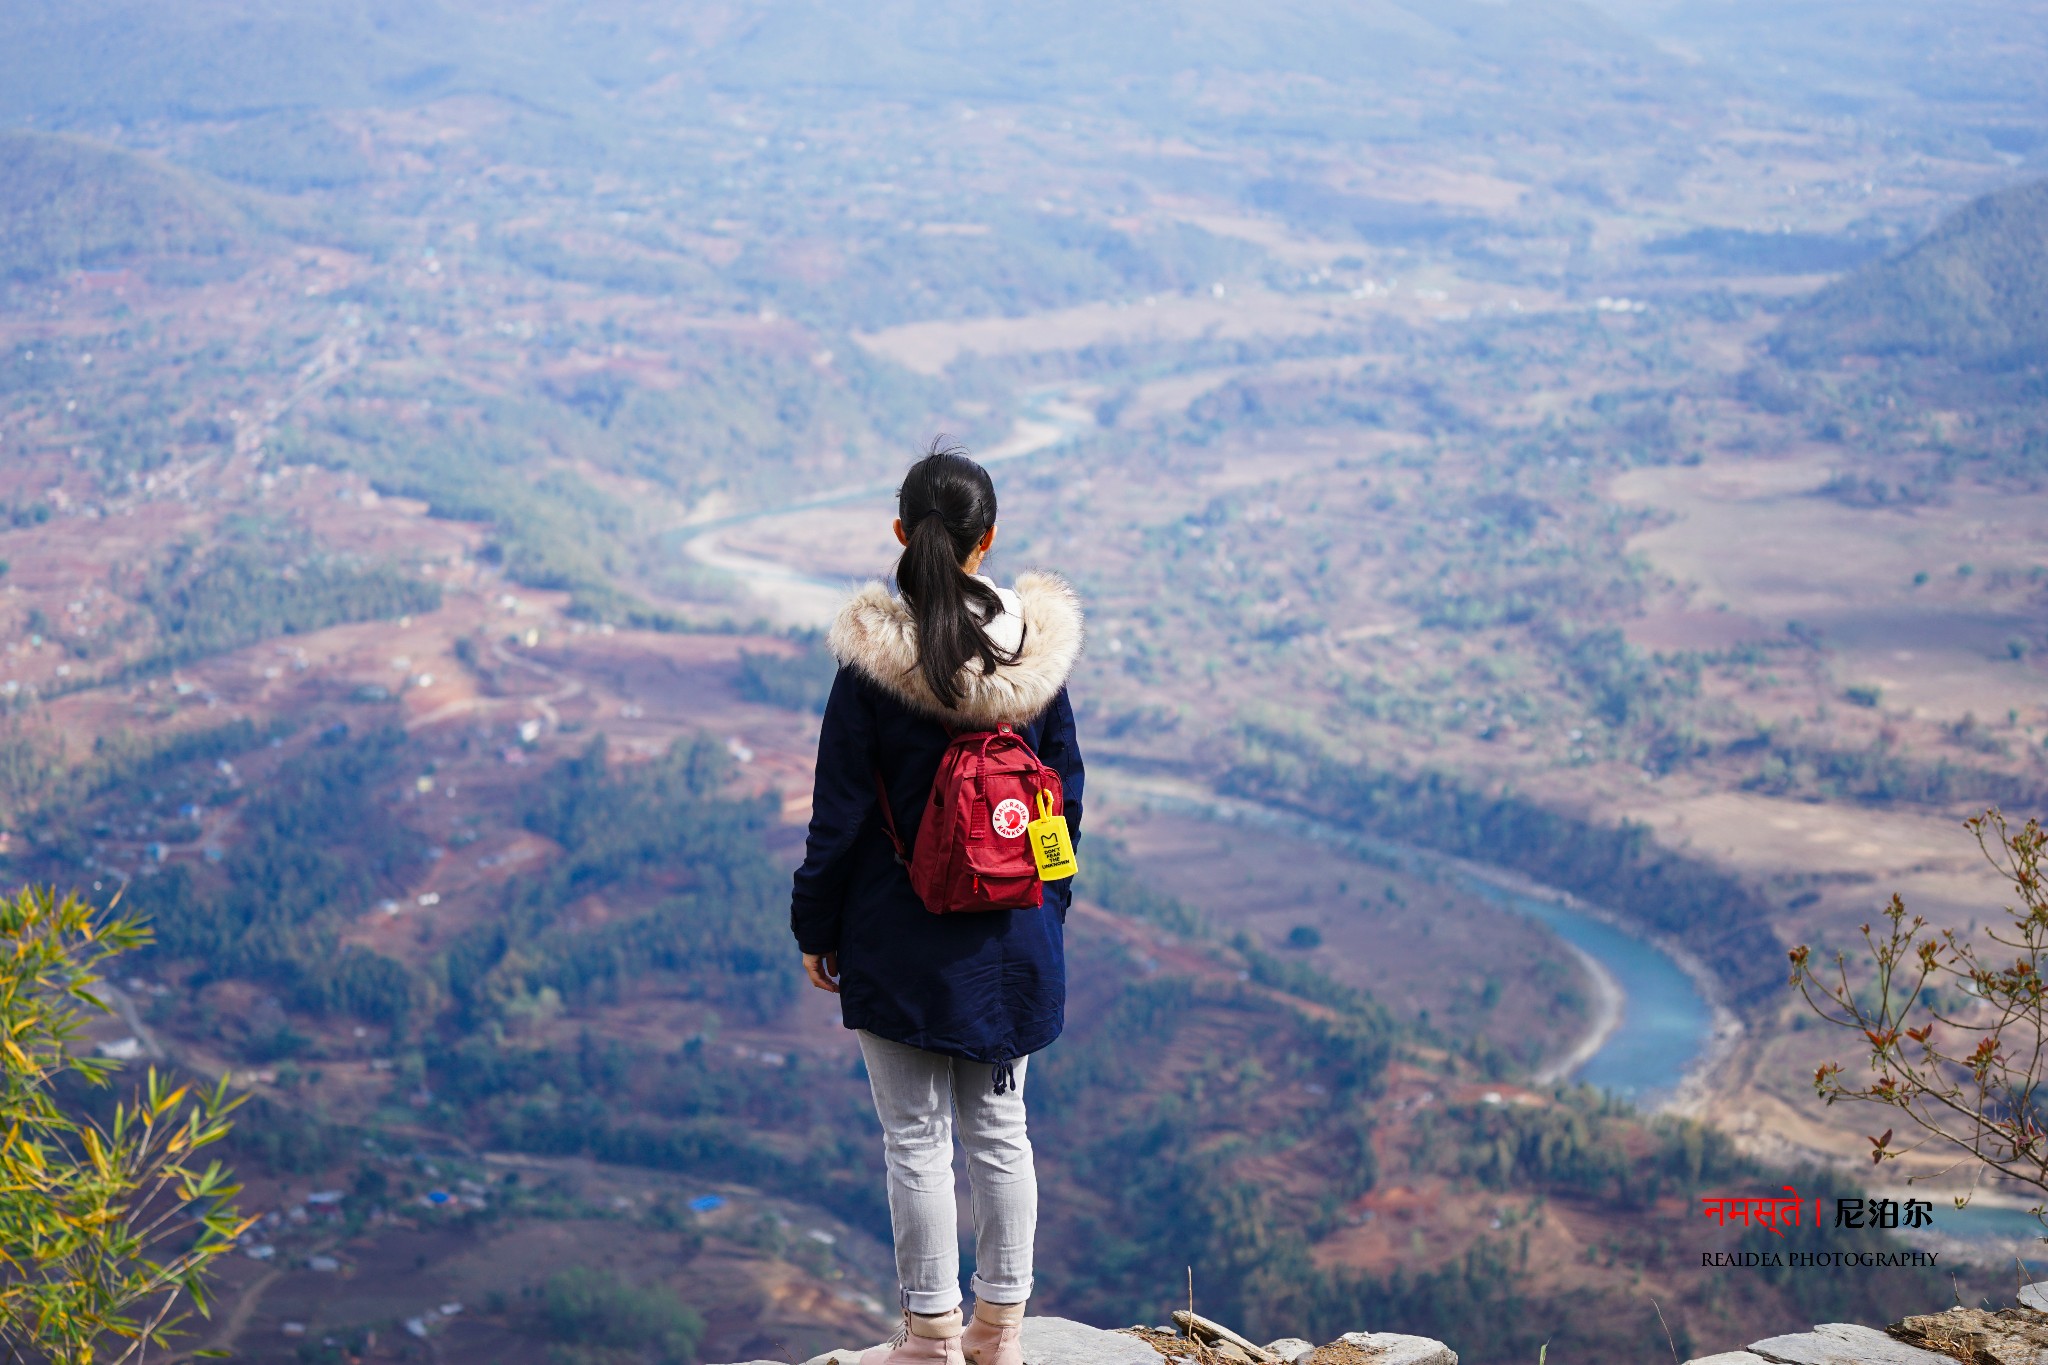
926,1302
995,1293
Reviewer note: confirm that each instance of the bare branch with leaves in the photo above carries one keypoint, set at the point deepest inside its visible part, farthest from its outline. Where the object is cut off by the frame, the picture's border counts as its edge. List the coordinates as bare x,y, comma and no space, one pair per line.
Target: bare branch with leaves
1954,1044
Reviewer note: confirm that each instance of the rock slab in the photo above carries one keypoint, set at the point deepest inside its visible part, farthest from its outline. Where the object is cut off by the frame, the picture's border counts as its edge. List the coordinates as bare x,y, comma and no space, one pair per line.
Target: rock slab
2011,1336
1392,1348
1729,1358
1844,1343
1289,1349
2035,1296
1062,1341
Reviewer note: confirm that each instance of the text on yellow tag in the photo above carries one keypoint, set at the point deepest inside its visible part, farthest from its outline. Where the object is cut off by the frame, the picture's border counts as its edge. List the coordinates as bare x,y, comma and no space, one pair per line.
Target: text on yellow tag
1051,847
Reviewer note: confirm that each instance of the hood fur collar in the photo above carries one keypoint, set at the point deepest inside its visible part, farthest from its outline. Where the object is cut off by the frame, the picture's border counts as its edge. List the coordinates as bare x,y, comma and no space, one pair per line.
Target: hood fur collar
875,634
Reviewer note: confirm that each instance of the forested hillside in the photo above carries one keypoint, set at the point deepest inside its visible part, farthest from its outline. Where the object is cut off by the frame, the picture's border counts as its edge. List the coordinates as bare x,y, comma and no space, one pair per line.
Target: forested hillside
67,204
1214,1103
1974,292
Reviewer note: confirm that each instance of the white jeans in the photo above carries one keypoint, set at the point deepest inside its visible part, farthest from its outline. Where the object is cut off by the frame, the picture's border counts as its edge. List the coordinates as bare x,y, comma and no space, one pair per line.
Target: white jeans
916,1096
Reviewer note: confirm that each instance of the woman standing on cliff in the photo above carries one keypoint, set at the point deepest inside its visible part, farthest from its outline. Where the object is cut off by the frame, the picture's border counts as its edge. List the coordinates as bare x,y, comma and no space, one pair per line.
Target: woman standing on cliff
948,1007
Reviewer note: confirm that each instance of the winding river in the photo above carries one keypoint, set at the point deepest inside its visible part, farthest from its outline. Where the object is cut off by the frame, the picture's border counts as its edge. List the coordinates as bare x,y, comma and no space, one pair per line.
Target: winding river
1655,1024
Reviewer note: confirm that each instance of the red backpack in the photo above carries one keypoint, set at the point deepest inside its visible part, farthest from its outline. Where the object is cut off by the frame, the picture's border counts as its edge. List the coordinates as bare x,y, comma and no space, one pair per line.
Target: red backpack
972,853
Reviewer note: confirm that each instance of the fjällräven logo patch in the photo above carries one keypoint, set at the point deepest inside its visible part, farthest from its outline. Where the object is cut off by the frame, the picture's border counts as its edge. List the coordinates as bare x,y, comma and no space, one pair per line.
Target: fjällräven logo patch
1010,818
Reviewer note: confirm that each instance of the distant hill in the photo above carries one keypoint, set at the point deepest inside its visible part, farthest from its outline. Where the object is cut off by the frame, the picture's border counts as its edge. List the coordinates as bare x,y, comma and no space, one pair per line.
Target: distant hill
66,204
1974,292
1958,72
997,48
287,151
66,63
75,63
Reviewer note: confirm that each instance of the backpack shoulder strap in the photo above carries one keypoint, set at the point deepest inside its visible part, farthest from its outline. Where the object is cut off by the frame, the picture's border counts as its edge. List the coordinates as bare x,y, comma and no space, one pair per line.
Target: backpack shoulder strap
953,737
889,819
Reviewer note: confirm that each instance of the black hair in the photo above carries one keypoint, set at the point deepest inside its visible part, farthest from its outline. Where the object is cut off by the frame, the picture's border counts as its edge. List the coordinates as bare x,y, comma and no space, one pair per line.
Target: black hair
947,504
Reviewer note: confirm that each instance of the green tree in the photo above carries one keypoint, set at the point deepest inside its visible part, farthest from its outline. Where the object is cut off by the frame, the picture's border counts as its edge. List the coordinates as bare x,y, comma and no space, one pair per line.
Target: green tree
585,1308
107,1226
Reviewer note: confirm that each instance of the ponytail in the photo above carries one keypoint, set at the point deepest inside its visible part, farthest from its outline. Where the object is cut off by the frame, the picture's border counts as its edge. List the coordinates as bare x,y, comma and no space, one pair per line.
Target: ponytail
947,504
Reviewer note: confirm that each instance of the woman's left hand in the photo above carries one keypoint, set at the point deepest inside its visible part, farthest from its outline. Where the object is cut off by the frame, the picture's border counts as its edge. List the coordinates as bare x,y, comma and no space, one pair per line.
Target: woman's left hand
823,970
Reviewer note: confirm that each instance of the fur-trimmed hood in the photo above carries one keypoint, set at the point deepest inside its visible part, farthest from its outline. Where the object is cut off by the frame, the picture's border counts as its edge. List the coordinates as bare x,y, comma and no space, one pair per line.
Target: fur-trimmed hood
876,635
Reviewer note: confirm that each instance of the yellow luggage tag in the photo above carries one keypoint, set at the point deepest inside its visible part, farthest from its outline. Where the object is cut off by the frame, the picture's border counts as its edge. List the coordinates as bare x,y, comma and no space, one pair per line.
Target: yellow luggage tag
1051,848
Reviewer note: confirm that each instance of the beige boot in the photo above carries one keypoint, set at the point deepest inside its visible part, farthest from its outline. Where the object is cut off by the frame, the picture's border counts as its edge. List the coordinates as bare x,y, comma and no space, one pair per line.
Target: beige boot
933,1340
996,1336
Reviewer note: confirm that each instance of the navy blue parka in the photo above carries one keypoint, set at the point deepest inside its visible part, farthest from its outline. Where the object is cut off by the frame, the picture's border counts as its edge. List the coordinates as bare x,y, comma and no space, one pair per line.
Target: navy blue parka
988,986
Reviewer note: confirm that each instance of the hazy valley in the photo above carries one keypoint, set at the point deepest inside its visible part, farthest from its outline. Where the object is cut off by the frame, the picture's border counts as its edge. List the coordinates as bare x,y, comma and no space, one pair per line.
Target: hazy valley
1515,460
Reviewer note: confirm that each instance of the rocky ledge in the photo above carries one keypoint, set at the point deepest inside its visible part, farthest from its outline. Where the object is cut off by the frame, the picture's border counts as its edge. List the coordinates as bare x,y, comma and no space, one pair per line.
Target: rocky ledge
1974,1336
1971,1336
1195,1341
